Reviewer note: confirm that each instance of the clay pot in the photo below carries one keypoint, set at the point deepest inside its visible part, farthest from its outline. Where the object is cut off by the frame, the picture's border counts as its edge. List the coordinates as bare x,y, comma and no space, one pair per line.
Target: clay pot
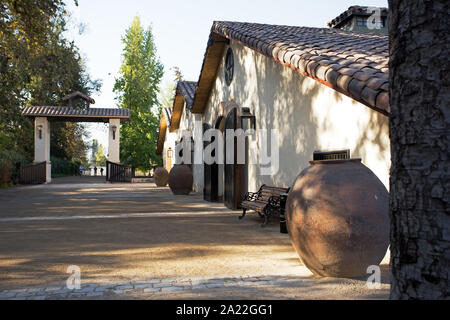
181,179
337,218
161,177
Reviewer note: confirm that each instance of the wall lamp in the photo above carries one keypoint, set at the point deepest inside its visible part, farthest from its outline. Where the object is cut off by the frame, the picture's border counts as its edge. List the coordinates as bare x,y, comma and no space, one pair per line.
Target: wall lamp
247,115
40,127
114,128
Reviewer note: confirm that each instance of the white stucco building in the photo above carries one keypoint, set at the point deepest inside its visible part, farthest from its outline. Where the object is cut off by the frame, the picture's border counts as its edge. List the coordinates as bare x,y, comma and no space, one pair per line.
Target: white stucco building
321,89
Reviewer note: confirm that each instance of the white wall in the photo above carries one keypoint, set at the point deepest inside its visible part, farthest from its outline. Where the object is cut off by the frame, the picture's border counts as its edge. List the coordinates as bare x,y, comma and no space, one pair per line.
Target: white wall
309,116
192,123
42,144
169,142
114,141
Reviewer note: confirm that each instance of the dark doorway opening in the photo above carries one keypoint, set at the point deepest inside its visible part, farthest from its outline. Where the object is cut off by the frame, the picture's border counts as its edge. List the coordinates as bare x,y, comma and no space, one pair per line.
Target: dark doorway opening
211,183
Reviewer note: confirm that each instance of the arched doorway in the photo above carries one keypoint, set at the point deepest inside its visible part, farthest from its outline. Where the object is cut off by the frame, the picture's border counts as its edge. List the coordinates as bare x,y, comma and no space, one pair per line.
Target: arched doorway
228,182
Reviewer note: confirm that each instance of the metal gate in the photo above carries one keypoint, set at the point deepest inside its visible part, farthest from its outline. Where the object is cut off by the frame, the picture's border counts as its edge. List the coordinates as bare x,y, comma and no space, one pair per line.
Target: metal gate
33,173
118,173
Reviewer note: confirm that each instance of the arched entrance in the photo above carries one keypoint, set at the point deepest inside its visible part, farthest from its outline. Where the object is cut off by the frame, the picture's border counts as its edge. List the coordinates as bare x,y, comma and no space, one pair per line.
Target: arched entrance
228,182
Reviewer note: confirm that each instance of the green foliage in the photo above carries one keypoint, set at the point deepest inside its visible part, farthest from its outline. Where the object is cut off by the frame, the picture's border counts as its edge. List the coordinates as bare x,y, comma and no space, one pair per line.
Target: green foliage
94,149
10,162
137,89
38,66
100,157
168,93
178,74
63,167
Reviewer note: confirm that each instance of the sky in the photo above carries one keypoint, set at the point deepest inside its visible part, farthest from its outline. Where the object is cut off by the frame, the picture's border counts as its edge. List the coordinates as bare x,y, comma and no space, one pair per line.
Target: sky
181,29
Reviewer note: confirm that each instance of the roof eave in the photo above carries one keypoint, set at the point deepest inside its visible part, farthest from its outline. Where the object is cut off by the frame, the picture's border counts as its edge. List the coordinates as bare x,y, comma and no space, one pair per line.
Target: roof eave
378,101
211,62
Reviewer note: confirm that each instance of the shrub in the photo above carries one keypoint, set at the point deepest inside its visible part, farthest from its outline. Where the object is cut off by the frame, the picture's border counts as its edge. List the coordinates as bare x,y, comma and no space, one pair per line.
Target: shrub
10,162
63,167
5,174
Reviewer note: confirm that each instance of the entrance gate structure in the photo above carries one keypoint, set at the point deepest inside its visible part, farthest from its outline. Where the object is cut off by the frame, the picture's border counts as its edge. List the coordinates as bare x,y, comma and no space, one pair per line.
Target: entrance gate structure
44,115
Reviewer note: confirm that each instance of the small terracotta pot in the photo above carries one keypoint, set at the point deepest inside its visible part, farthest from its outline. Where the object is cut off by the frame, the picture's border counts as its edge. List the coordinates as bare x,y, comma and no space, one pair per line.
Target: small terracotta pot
337,215
161,177
181,179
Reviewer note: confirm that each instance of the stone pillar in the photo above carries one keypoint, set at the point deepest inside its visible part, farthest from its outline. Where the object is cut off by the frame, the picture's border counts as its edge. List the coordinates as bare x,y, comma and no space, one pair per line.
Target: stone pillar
42,144
114,141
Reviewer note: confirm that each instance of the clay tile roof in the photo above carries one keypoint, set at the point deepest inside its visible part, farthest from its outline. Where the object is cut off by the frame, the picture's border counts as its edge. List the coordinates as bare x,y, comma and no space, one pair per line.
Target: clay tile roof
167,113
351,63
184,94
78,94
66,113
354,11
166,118
187,90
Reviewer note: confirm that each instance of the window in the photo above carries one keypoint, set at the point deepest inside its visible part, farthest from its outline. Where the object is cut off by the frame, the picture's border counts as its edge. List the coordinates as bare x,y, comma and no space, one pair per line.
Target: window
229,67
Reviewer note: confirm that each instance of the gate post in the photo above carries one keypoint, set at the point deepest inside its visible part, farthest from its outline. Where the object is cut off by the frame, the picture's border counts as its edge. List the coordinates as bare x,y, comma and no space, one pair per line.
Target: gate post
114,141
42,144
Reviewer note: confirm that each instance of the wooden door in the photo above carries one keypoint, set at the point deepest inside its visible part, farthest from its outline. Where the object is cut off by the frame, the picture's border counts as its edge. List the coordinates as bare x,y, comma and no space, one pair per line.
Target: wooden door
234,175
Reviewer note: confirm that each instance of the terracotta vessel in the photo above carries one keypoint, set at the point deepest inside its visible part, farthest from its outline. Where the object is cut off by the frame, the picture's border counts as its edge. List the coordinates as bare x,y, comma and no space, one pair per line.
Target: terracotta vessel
181,179
161,177
337,218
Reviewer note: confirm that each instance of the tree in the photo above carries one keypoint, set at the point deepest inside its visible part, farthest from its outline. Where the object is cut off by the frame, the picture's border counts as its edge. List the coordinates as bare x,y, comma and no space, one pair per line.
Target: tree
420,140
137,89
100,157
94,149
168,94
178,74
38,66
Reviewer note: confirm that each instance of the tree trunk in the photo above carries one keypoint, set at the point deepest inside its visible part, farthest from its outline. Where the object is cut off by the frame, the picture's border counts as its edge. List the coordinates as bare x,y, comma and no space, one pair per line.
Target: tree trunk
420,137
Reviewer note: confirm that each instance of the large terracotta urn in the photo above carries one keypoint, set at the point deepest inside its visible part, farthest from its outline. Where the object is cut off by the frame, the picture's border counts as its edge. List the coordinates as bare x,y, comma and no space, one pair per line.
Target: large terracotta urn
161,177
181,179
337,218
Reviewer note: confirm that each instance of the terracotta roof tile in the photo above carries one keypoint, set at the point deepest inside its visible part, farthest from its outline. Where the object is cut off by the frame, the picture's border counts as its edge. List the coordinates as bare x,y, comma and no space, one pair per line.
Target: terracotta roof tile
187,90
167,113
332,56
66,112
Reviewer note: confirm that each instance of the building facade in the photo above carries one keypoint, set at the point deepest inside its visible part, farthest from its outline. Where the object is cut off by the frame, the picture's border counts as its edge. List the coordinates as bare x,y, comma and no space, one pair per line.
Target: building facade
313,90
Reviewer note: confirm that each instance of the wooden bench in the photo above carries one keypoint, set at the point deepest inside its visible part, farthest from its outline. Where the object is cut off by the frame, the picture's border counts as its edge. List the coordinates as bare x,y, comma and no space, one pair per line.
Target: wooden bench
268,201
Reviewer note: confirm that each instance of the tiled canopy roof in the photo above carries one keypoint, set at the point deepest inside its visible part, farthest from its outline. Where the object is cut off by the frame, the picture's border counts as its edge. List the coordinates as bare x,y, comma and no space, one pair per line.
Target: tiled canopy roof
187,90
351,63
68,114
353,11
